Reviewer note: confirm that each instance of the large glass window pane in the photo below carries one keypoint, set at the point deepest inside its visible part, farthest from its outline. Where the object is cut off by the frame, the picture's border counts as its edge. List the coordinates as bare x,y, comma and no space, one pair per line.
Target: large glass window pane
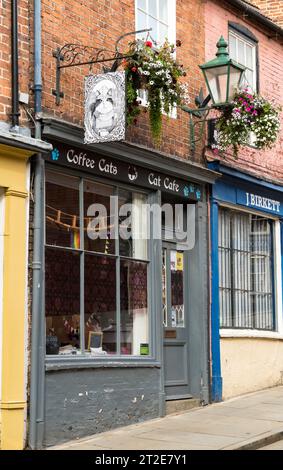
100,303
141,24
241,52
133,224
62,210
241,270
134,308
261,272
164,286
249,56
163,10
152,23
98,218
163,33
232,47
224,257
152,8
177,288
142,4
62,301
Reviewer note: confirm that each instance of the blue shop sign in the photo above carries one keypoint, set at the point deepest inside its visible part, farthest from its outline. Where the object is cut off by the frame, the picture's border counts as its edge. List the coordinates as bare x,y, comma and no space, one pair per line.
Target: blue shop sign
260,202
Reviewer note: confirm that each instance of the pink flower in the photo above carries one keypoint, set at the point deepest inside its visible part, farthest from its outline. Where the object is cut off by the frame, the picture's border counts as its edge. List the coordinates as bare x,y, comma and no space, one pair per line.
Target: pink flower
254,113
215,151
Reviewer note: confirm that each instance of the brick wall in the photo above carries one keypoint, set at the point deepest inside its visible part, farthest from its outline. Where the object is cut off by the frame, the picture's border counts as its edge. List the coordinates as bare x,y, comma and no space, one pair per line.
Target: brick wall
99,24
271,8
267,164
24,27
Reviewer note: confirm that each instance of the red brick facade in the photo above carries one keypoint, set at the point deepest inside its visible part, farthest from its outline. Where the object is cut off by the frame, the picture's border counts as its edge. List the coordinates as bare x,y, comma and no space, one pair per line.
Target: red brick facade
273,9
99,24
24,24
267,164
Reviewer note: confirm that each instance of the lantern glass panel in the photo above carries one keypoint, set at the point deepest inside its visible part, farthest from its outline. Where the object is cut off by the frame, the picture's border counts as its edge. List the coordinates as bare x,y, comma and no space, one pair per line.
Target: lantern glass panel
217,83
235,78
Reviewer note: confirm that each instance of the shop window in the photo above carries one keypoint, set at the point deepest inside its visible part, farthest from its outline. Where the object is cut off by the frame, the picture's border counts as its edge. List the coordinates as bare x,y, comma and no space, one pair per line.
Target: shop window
100,300
246,278
96,293
98,196
134,311
62,211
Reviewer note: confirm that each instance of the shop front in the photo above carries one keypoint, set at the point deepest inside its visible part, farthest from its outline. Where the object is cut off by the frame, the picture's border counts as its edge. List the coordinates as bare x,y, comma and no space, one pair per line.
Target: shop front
247,323
125,286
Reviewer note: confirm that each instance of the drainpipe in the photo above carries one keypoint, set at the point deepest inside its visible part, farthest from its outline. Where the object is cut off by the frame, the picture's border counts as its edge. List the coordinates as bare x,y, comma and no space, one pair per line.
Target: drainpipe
37,398
15,66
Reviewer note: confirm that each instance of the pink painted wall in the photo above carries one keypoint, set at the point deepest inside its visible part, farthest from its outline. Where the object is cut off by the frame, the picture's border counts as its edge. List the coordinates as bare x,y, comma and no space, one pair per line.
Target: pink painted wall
269,163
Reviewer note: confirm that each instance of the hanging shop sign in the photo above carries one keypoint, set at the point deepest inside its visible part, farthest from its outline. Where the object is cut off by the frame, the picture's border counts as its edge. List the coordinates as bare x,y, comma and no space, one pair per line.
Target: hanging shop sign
105,112
121,171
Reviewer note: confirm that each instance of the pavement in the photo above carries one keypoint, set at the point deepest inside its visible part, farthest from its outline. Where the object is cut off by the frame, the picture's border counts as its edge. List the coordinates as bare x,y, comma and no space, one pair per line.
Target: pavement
253,421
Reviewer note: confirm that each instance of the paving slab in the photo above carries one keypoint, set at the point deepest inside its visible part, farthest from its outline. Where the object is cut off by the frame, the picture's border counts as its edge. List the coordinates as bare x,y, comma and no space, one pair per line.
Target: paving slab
251,421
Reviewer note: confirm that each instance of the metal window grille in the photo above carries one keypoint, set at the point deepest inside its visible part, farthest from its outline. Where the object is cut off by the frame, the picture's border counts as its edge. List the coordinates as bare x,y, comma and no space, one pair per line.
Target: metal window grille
245,251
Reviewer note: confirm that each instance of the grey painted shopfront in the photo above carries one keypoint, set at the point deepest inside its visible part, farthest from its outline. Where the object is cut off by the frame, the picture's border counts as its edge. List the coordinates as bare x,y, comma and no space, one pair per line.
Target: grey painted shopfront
145,306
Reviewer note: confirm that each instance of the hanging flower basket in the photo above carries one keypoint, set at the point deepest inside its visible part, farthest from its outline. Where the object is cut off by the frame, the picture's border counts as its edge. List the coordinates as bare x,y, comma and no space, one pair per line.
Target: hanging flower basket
154,70
248,113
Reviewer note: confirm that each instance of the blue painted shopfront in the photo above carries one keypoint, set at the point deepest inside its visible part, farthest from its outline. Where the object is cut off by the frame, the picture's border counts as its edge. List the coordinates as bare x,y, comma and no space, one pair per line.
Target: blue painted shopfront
239,190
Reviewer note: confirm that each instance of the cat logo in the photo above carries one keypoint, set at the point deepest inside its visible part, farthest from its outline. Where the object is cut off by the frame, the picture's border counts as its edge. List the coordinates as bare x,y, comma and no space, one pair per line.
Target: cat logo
132,173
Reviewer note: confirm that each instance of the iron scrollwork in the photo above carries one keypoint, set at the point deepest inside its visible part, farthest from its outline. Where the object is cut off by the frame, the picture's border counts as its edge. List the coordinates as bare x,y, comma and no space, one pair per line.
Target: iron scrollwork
72,55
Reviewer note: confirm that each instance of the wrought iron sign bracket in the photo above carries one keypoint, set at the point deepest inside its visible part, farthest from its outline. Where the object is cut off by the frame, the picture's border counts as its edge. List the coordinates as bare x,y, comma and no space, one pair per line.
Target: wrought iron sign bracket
76,55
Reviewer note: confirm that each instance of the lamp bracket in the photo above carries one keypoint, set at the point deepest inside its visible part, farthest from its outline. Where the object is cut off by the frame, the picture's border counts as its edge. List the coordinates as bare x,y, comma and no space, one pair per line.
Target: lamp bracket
76,55
200,113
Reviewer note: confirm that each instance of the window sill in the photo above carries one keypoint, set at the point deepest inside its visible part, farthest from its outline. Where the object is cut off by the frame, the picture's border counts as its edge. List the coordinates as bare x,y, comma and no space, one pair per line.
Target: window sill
246,333
54,363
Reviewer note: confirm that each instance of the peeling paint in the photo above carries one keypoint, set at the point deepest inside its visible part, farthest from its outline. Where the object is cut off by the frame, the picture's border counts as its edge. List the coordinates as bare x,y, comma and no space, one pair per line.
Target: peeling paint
84,402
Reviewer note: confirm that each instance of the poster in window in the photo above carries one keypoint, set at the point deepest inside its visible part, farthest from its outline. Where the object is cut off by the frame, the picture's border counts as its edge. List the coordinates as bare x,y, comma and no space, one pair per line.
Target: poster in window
105,110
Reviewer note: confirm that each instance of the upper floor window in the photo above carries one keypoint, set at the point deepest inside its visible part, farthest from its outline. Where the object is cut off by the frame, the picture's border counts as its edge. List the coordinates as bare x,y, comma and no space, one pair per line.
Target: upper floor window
160,15
243,50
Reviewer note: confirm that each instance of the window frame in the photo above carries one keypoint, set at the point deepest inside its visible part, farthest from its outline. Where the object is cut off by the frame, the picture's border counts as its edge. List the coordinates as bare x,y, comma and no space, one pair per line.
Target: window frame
277,285
171,39
54,362
171,19
242,33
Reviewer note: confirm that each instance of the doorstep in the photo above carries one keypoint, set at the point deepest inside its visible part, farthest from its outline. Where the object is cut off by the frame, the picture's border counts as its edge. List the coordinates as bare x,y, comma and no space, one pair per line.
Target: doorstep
176,406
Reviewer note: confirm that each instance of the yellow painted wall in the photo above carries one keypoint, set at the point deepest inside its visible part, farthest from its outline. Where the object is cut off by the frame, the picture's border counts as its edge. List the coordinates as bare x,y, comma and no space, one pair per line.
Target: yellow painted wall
250,364
13,178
